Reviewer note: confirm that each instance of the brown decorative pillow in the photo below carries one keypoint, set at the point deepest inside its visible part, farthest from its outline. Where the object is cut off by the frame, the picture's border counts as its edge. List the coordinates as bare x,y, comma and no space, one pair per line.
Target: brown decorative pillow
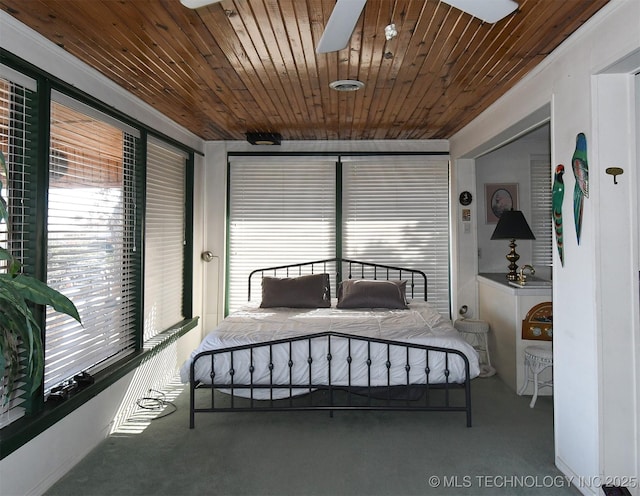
362,293
402,284
310,291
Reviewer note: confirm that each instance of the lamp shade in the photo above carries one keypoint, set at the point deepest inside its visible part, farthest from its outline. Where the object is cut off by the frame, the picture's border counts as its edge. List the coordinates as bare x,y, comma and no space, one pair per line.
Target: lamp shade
512,225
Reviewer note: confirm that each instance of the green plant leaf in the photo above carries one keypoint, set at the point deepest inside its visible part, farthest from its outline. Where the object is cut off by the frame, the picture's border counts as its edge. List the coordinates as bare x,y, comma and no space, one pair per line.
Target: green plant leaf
38,292
14,266
17,323
15,310
4,214
5,255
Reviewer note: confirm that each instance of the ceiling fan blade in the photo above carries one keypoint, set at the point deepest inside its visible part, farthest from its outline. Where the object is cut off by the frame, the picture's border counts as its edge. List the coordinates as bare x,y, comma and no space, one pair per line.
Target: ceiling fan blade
196,4
487,10
341,23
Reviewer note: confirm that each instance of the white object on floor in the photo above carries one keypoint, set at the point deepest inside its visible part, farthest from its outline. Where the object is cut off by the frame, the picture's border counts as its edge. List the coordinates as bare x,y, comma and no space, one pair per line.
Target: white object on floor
536,359
476,334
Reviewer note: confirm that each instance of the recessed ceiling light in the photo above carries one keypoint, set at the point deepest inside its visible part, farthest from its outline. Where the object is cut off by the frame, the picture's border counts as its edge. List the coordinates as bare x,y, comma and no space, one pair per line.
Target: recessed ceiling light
346,85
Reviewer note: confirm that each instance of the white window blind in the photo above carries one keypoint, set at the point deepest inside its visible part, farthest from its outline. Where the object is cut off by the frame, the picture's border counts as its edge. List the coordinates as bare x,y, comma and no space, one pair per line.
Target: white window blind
91,241
164,237
541,222
17,103
396,212
282,210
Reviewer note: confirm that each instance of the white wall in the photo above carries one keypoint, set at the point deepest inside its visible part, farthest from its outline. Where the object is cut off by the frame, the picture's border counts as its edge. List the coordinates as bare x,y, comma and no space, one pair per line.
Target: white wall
464,244
595,293
214,214
34,467
51,454
617,269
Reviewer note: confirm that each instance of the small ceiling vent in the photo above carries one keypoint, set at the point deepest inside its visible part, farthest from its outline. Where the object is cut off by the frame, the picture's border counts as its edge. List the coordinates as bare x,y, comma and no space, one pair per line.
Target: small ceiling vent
346,85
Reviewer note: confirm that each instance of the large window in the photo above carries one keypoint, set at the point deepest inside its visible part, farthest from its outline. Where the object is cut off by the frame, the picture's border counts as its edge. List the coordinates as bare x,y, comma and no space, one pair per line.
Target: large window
281,210
87,220
91,251
385,209
165,237
396,212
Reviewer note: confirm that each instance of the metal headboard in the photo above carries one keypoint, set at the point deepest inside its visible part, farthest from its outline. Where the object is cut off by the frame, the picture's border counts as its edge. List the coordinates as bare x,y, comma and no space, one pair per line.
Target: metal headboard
354,269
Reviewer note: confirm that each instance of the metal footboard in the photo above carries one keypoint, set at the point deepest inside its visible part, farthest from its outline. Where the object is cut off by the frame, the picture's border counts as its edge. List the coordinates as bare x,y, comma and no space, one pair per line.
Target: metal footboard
305,371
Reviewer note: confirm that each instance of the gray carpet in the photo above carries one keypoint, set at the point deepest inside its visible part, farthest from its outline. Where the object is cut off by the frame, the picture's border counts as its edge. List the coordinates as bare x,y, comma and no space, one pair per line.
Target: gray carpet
509,450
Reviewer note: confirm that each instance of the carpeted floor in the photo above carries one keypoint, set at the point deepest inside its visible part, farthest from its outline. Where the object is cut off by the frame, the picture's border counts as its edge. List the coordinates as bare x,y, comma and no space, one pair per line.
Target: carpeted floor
508,451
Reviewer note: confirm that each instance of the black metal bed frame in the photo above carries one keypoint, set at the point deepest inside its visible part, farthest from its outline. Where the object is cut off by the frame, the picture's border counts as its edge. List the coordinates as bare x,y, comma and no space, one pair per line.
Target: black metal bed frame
321,393
367,270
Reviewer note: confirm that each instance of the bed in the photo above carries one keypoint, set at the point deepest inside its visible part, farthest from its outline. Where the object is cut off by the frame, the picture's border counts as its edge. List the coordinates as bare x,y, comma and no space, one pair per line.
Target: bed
316,340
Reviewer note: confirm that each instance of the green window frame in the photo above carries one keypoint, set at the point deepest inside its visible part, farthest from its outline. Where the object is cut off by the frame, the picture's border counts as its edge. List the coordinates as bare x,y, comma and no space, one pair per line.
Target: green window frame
32,172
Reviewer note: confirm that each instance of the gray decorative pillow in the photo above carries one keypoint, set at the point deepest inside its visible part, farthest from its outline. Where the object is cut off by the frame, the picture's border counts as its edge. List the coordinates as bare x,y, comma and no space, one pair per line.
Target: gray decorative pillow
362,293
310,291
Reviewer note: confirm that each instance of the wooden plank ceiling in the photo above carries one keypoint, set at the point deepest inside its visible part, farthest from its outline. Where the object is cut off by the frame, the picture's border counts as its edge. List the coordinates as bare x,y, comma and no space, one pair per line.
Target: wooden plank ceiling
250,65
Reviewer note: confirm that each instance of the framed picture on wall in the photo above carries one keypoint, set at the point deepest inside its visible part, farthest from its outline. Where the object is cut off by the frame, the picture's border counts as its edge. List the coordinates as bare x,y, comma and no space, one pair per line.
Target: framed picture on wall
498,198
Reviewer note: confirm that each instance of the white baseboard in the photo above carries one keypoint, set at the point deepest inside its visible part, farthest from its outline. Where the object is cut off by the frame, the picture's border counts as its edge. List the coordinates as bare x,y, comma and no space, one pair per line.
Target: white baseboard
581,483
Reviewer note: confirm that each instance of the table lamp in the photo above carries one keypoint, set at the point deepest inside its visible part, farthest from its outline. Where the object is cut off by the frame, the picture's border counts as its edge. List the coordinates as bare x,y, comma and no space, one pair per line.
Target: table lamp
512,225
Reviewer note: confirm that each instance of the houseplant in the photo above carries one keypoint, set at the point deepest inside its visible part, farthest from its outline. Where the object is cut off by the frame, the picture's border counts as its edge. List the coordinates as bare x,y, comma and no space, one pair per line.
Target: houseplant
19,329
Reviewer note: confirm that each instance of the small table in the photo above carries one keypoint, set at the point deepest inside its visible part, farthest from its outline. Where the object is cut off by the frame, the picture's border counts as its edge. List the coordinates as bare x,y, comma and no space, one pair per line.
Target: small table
536,358
476,333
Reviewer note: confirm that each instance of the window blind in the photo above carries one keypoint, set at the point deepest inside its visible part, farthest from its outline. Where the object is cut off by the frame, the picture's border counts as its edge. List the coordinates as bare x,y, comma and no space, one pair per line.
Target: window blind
396,212
164,237
17,107
282,210
541,221
91,242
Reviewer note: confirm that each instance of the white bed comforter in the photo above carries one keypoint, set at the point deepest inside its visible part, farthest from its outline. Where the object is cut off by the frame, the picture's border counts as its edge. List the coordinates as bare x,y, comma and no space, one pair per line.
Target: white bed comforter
421,324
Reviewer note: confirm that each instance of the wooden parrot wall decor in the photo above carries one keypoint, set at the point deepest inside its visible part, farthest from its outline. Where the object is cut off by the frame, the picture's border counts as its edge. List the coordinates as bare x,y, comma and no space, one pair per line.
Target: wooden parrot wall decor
557,196
581,173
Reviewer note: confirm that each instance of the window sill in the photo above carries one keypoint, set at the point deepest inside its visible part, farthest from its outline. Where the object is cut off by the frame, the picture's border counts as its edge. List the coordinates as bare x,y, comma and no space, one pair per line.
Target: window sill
28,427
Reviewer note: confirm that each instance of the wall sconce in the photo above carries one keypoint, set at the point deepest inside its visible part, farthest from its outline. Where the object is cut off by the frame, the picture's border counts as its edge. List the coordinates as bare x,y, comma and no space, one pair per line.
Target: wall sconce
512,225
